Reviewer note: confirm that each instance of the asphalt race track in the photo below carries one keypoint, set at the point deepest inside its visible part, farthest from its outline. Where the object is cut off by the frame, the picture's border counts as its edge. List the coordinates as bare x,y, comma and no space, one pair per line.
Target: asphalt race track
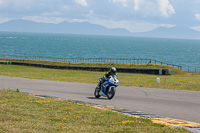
178,104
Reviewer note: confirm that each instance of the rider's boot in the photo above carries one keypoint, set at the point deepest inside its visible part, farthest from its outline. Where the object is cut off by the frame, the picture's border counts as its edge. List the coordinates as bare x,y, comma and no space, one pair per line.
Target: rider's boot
99,86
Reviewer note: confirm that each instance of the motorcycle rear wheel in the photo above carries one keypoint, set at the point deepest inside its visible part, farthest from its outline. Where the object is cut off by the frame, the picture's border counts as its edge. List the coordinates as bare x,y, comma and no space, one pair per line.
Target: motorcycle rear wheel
111,94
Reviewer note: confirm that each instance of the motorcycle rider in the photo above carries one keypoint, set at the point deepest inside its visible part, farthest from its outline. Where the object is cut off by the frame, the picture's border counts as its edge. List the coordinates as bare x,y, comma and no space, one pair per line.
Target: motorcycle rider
112,71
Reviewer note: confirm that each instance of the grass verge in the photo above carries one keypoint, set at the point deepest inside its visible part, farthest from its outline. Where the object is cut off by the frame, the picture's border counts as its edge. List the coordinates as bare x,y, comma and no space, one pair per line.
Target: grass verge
22,113
184,81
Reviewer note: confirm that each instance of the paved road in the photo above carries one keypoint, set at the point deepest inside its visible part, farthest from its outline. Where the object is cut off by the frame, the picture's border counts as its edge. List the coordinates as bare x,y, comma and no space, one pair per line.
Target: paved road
178,104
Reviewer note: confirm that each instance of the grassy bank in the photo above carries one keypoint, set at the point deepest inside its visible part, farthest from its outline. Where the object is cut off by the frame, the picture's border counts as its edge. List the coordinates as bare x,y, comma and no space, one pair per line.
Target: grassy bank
22,113
173,70
181,81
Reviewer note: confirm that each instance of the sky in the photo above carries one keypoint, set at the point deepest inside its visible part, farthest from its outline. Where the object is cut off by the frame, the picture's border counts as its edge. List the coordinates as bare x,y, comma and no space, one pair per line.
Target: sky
133,15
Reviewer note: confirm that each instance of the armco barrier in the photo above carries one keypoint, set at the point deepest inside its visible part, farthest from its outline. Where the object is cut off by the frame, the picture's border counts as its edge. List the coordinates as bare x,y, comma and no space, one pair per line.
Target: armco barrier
158,71
5,62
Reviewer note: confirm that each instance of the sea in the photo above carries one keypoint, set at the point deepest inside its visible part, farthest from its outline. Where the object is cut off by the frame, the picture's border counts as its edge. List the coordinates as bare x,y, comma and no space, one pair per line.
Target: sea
182,52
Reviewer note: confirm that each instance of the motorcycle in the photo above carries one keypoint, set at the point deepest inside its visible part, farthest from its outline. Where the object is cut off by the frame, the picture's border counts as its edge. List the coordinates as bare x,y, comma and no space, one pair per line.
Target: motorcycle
108,87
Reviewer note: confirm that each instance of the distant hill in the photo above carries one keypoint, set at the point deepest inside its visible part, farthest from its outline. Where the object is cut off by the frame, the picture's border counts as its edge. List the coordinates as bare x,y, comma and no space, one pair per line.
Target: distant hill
174,32
94,29
64,27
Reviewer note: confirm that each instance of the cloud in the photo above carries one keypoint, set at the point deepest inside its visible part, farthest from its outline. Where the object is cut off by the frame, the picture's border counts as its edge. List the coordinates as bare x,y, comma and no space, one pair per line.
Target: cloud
124,2
4,19
90,14
166,8
136,6
17,9
82,2
51,13
148,8
197,16
197,28
1,2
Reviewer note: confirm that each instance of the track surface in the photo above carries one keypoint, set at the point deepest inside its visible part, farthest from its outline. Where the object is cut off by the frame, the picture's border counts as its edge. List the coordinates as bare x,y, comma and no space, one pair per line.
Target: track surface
177,104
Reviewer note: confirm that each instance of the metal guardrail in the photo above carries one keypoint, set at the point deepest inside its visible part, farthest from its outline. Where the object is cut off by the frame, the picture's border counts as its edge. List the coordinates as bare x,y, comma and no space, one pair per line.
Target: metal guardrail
192,69
101,60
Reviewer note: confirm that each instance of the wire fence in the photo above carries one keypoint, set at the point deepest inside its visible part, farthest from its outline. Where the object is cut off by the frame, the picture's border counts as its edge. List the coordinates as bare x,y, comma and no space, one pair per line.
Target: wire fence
102,60
192,69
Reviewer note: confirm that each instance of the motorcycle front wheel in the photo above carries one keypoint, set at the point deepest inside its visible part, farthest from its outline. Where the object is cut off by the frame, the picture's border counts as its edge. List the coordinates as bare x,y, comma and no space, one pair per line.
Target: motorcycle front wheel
96,92
111,93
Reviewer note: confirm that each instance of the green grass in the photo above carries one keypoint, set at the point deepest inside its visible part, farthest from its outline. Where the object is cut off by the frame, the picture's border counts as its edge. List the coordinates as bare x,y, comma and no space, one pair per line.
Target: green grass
22,113
180,80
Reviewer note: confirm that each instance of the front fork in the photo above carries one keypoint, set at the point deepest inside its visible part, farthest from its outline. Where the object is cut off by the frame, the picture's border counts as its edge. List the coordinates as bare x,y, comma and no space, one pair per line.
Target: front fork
110,89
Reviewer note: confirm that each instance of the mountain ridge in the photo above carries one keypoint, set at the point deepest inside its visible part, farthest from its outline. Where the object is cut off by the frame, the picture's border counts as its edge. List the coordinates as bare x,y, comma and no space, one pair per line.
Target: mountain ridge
64,27
173,32
21,25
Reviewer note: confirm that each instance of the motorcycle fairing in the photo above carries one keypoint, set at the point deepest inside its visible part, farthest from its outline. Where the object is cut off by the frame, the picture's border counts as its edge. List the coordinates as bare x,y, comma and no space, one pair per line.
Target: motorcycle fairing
106,85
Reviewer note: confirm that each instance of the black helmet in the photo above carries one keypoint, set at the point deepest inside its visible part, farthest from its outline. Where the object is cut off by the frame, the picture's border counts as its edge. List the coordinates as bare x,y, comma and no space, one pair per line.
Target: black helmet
113,70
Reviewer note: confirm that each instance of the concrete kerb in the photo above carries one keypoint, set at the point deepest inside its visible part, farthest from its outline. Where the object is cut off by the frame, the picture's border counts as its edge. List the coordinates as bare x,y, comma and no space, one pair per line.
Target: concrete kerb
191,126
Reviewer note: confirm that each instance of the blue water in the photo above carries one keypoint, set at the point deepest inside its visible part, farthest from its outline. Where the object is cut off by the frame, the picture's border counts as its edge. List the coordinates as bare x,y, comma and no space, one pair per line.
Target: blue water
173,51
